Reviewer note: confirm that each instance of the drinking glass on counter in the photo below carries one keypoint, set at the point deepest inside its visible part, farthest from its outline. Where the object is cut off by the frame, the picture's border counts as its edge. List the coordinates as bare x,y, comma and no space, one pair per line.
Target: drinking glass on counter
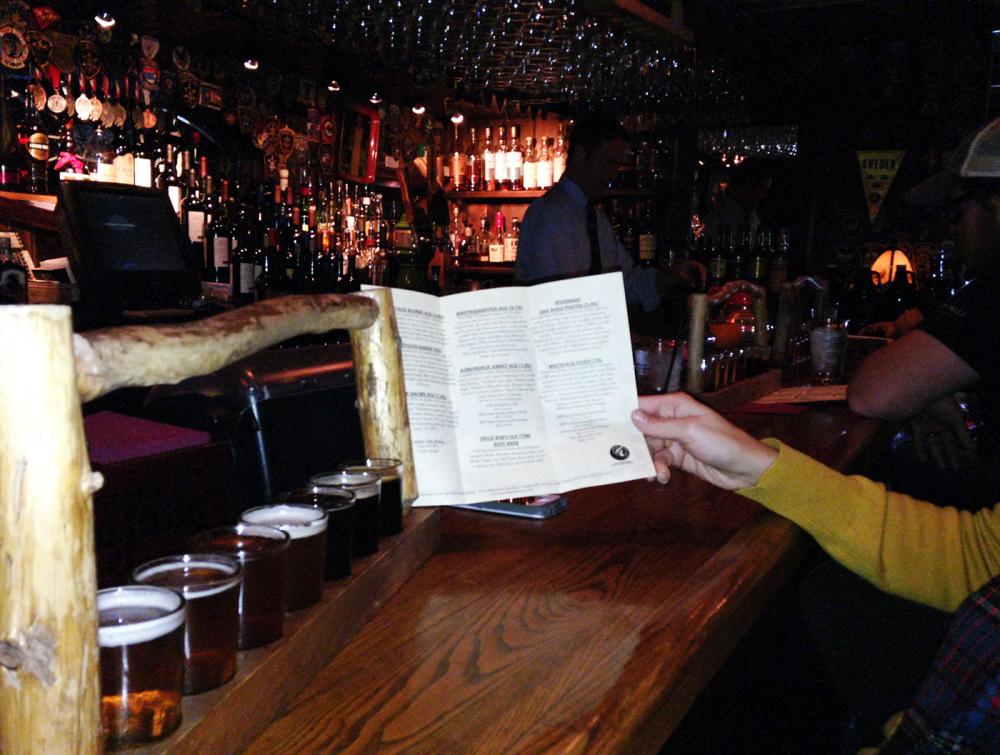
141,638
827,346
262,552
306,526
340,507
367,488
390,510
209,582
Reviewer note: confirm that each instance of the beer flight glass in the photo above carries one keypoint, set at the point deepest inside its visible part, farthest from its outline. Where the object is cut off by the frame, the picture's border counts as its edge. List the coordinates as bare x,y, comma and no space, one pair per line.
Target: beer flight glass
390,511
339,506
262,552
306,526
141,638
209,582
366,487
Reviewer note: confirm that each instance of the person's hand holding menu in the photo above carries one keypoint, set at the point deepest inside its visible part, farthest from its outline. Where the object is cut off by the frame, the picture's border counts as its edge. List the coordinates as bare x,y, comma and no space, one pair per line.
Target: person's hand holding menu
520,391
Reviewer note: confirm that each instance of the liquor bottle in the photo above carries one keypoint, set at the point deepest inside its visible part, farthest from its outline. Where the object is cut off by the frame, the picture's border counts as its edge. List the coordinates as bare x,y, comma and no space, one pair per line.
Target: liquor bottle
468,254
739,242
510,239
717,266
459,169
167,180
272,281
13,275
310,259
473,164
483,240
778,273
243,260
193,218
495,248
515,161
629,234
500,160
544,169
648,239
529,177
219,231
489,163
143,164
559,156
124,163
759,258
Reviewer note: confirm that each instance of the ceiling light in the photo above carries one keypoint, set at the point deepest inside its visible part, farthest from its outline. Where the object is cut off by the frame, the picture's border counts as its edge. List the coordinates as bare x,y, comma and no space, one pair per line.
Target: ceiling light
105,20
375,99
333,86
418,109
251,64
457,118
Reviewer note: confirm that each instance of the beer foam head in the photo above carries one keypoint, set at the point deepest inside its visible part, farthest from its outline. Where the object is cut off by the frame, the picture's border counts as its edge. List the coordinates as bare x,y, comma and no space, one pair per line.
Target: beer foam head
387,469
361,482
195,575
134,614
297,520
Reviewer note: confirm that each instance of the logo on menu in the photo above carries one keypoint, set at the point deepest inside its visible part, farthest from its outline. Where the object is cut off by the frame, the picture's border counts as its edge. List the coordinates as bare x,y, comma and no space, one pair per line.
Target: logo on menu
619,452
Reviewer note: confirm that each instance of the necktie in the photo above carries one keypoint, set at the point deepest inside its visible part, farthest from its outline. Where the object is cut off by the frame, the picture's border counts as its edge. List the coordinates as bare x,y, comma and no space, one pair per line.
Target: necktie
595,243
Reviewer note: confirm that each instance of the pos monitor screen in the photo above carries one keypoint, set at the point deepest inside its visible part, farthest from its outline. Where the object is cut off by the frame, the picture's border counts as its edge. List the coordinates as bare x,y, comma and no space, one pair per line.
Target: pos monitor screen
127,250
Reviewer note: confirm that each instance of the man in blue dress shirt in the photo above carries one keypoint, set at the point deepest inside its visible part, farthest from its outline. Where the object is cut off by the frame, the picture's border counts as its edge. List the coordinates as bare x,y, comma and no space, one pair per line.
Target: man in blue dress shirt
564,235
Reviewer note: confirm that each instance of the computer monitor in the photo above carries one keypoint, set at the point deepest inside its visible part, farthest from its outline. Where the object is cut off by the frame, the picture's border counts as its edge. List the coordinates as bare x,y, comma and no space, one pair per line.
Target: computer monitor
126,249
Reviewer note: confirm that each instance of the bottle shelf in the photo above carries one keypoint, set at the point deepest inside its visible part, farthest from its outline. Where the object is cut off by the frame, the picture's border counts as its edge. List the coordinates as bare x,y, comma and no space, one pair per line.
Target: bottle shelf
485,270
497,196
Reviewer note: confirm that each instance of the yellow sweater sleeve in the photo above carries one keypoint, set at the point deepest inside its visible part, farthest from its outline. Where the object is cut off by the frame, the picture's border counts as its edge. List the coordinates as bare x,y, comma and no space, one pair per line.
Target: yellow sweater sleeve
930,554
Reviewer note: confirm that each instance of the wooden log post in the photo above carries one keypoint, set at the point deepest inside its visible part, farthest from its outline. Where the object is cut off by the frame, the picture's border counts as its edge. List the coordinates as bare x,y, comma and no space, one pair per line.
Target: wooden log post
378,370
49,685
48,619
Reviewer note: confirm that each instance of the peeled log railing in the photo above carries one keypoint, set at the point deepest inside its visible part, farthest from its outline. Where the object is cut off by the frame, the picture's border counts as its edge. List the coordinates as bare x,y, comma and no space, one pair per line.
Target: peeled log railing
49,691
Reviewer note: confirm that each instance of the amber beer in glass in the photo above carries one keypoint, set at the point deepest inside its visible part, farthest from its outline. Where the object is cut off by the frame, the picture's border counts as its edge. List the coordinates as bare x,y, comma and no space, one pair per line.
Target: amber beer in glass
262,553
306,526
141,639
390,510
210,584
367,489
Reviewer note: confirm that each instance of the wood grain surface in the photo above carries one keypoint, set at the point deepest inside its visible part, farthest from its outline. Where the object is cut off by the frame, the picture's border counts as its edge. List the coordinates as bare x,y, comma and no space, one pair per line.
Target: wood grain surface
593,631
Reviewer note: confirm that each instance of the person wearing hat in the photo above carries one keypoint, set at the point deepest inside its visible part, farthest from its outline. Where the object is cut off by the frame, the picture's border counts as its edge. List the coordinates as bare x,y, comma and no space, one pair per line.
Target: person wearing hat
564,234
917,375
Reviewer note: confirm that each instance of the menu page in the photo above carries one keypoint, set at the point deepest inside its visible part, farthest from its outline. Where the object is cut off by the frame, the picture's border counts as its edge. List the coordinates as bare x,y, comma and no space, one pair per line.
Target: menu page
520,391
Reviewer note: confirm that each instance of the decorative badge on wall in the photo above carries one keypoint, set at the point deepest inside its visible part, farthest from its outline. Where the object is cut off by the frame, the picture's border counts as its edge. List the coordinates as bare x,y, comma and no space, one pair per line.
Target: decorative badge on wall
41,48
181,58
189,87
286,141
13,48
88,58
210,96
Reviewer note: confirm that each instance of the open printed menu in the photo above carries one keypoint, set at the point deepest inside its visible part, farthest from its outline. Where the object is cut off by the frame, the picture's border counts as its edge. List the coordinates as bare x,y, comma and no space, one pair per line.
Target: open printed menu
520,391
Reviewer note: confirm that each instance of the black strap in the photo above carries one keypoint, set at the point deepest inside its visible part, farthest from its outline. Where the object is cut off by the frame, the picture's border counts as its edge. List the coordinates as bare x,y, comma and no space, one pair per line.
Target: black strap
595,243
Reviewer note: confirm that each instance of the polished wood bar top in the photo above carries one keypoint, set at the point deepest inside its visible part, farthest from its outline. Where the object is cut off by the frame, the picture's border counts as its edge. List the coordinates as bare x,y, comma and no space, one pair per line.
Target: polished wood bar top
593,631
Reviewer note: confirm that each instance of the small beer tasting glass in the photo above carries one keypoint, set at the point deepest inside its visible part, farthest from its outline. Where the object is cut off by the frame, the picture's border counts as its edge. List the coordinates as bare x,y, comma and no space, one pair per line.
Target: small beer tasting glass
366,487
262,552
209,582
390,510
141,639
340,511
306,526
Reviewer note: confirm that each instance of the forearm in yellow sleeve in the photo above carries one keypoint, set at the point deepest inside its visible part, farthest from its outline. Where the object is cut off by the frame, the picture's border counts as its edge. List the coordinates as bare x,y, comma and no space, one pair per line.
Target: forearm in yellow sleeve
931,554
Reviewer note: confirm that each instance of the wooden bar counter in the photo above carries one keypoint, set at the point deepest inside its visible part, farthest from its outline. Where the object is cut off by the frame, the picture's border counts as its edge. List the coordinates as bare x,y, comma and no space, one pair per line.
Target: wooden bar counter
593,631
